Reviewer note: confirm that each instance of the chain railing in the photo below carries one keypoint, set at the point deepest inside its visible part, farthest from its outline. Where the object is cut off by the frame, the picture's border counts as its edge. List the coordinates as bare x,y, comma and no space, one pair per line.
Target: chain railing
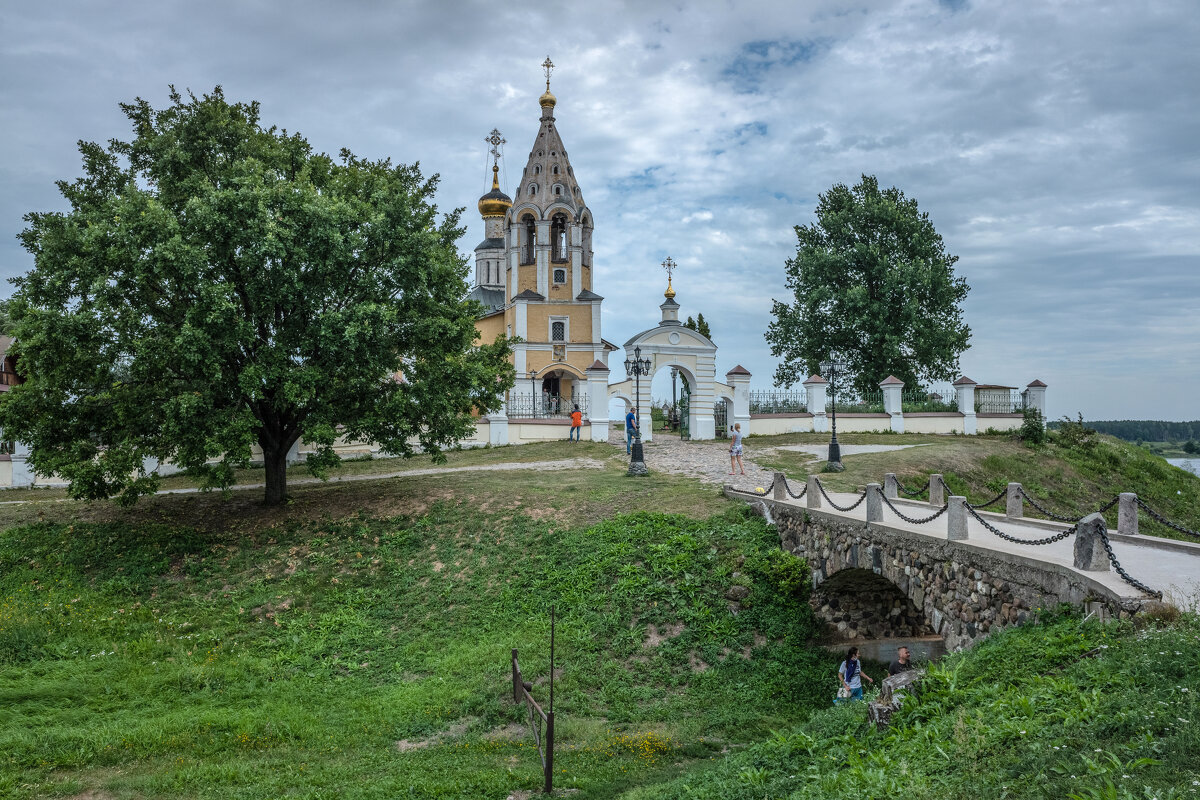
913,520
911,492
825,494
973,510
1159,518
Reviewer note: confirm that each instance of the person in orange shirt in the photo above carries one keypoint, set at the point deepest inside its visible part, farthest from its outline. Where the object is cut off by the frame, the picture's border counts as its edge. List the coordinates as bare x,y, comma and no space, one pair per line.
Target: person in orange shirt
576,423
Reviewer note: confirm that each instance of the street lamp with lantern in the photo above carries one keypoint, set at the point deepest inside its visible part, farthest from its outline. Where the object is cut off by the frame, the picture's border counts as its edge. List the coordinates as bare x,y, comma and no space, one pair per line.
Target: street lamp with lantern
533,392
831,367
637,367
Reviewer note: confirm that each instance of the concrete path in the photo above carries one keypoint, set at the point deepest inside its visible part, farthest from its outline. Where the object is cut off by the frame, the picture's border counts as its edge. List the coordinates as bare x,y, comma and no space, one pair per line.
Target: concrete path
1166,565
821,451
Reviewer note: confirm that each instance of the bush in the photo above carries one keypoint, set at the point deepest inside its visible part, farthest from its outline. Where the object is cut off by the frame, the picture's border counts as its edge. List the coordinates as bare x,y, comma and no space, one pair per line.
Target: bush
1073,434
1033,427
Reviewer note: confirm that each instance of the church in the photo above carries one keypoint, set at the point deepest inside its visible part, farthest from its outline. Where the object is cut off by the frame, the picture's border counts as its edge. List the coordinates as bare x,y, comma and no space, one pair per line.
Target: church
534,273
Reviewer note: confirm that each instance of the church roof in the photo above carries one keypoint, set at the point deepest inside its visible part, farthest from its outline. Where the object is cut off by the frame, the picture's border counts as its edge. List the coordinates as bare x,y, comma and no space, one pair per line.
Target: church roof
539,180
587,294
529,294
491,299
490,244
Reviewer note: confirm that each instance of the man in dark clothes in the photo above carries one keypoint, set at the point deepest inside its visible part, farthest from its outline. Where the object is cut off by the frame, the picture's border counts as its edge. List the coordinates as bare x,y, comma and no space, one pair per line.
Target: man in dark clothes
901,663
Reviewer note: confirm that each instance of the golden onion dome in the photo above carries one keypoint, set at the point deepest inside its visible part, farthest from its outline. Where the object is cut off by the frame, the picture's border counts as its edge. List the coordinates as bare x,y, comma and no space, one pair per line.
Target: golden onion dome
547,100
670,292
495,203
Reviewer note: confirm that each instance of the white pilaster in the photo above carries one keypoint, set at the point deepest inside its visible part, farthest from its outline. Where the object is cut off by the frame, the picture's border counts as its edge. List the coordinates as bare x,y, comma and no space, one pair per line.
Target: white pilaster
598,401
738,380
892,403
965,388
814,389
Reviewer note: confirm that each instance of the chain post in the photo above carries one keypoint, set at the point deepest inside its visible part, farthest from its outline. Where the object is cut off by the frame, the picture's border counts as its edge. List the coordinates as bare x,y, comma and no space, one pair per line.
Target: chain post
874,502
780,484
1127,514
936,495
1014,506
956,519
813,491
1090,553
891,486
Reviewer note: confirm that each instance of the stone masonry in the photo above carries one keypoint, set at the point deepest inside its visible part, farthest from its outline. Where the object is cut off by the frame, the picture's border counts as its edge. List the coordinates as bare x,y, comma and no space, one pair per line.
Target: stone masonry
956,590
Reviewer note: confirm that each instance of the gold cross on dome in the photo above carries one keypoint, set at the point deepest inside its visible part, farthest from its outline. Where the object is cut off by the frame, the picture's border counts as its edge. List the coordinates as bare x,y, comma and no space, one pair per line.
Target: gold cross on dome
495,140
669,266
548,65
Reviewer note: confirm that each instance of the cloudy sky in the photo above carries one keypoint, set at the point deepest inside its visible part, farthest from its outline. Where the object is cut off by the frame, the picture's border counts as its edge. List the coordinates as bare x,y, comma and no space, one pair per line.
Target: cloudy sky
1054,145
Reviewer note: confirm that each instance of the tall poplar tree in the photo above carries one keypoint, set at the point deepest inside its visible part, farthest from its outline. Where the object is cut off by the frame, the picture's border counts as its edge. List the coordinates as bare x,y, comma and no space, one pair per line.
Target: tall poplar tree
872,280
216,285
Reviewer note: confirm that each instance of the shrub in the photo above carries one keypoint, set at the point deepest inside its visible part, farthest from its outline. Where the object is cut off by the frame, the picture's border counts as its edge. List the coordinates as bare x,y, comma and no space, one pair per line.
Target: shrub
1033,427
1073,434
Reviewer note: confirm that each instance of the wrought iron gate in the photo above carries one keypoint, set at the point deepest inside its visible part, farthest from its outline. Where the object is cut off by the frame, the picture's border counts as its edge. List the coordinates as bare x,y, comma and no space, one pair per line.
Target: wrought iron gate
721,418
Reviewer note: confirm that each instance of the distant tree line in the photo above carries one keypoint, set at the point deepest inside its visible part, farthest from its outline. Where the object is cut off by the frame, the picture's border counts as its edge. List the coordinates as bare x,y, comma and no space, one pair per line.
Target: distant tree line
1146,430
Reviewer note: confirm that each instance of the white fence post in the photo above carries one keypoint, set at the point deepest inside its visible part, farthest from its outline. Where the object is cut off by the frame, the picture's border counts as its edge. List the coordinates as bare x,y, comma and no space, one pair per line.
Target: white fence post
892,401
965,388
814,388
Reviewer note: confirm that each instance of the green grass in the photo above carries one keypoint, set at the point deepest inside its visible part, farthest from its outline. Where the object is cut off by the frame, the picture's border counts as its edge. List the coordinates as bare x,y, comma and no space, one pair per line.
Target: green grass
1061,709
1066,480
367,654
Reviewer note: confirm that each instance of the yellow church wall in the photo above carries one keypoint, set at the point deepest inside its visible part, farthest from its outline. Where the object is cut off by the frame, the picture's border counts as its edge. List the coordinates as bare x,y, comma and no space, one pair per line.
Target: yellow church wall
561,291
538,321
490,328
586,278
527,278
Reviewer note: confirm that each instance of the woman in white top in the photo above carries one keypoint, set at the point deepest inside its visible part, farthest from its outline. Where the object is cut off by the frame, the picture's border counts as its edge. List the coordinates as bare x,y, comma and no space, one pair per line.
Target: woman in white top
735,449
850,674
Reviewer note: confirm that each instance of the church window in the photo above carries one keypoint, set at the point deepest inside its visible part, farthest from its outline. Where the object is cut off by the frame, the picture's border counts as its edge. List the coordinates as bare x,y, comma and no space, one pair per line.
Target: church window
530,238
537,170
560,276
539,153
532,189
558,329
556,169
558,237
558,190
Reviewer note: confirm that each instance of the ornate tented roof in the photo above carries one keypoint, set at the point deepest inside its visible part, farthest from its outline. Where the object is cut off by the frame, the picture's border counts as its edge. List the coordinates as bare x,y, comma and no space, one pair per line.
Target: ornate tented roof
548,178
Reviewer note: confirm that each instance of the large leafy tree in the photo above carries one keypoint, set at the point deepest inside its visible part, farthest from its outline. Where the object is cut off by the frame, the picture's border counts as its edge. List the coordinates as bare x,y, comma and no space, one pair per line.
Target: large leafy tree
872,280
217,285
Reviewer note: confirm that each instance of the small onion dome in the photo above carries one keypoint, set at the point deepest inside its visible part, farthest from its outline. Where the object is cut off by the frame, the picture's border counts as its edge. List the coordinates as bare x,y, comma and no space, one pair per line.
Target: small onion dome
495,203
547,100
669,293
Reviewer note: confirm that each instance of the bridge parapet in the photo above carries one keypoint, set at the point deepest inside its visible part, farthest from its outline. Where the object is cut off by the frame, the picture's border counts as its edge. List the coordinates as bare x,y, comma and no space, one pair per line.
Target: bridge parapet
961,588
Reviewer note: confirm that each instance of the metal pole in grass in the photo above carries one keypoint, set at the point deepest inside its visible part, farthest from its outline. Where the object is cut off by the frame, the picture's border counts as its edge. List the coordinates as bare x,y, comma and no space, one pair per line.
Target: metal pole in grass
550,716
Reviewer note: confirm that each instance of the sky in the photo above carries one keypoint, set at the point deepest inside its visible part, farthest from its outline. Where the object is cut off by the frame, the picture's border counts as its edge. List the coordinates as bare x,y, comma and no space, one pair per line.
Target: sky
1055,146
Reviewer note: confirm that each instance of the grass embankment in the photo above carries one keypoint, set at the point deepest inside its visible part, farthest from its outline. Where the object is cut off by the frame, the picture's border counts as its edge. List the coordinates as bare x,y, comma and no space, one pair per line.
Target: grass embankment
1068,480
357,644
1063,709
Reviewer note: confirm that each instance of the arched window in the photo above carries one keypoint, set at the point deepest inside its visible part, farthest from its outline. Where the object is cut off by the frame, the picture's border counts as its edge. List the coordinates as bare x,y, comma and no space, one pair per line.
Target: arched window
558,190
537,170
558,237
530,238
556,169
532,189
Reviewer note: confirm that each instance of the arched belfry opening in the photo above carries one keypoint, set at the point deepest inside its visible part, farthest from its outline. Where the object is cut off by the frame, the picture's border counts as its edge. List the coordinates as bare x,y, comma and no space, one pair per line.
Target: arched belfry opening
558,237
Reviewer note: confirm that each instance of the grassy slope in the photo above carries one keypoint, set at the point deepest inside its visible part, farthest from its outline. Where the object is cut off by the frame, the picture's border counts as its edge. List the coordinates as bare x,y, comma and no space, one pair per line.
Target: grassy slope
1065,480
1065,709
189,648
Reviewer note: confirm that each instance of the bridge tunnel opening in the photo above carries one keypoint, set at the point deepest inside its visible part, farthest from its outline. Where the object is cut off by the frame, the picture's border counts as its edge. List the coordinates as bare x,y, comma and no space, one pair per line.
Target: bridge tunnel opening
857,604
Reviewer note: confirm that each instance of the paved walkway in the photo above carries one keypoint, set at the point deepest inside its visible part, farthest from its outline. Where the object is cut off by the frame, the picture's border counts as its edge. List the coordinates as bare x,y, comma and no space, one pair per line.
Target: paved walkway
708,461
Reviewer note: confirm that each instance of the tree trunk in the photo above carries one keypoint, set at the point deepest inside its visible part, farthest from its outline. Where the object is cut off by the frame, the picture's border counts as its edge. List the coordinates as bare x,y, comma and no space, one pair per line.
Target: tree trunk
275,463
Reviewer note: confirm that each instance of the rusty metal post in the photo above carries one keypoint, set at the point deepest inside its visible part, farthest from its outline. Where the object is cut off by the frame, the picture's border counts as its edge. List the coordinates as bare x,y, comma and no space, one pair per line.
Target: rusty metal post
550,753
516,678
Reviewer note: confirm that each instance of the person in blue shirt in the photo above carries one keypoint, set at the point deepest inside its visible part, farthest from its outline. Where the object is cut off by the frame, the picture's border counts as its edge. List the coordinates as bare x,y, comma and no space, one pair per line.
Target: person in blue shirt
631,426
850,674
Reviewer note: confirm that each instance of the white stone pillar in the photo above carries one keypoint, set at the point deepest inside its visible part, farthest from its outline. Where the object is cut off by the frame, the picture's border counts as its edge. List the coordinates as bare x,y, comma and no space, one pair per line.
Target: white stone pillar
937,495
22,473
891,486
966,403
1035,397
598,400
813,493
892,388
814,388
738,379
498,424
1090,554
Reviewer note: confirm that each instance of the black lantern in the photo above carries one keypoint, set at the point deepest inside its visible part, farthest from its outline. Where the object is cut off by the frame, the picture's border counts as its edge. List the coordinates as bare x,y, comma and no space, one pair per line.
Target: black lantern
637,367
832,367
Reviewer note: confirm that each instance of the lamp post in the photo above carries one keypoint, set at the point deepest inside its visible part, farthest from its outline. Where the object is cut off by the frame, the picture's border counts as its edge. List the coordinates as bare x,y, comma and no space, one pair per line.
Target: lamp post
834,364
637,367
533,392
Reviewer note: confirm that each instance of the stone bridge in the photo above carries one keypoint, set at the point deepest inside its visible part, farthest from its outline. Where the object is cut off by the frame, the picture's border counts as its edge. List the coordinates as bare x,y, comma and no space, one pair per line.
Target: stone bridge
877,576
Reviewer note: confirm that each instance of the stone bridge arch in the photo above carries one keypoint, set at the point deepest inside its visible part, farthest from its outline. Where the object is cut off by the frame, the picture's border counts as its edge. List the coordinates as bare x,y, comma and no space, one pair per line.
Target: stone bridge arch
962,591
859,603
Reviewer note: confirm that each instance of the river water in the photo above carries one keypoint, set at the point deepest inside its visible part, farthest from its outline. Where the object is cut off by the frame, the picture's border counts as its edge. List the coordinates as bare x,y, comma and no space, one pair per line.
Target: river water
1192,465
